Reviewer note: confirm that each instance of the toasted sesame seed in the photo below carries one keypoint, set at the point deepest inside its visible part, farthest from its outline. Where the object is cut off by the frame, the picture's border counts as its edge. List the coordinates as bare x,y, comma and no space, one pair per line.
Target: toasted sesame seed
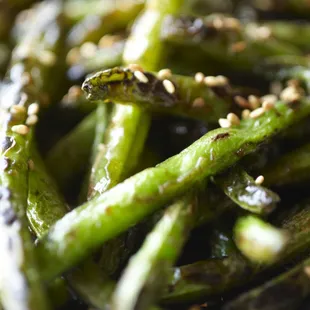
221,80
307,270
241,102
20,129
73,56
31,164
210,81
238,47
270,98
267,105
259,180
164,74
108,40
293,83
254,102
218,23
199,77
170,88
17,109
291,94
141,76
245,114
257,113
232,23
233,118
31,120
135,67
198,102
47,58
88,49
33,109
262,33
224,123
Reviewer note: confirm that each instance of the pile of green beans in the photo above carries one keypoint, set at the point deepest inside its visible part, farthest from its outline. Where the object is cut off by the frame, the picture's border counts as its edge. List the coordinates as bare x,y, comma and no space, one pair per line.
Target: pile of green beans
154,155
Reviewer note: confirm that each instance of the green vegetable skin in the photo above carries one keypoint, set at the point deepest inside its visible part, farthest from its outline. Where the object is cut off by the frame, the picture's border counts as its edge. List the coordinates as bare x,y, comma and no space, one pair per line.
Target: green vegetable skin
144,277
124,86
293,167
128,202
239,47
243,190
186,283
20,282
286,291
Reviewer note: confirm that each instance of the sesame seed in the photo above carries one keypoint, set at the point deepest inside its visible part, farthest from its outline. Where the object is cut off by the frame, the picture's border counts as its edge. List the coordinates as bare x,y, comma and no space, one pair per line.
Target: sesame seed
88,49
291,94
307,270
245,114
199,102
221,80
170,88
199,77
164,74
241,102
73,56
263,33
224,123
259,180
270,98
141,76
20,129
238,47
293,83
232,23
31,120
210,81
267,105
135,67
254,102
33,109
108,40
47,58
31,164
17,109
233,118
257,113
218,23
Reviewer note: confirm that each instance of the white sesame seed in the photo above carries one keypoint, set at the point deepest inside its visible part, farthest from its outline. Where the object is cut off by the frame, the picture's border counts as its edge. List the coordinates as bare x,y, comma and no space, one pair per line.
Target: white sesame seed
135,67
17,109
224,123
108,40
47,58
259,180
291,94
198,102
33,109
210,81
241,102
31,164
199,77
267,105
257,113
88,49
141,76
73,56
232,23
254,102
263,33
218,23
293,83
170,88
221,80
31,120
233,118
164,74
20,129
307,270
270,98
245,114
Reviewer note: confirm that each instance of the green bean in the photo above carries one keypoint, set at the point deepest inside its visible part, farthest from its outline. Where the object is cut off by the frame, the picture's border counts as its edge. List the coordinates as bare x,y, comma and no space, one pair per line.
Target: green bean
225,39
211,277
20,280
145,275
129,202
259,241
114,19
286,291
291,168
243,190
71,154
